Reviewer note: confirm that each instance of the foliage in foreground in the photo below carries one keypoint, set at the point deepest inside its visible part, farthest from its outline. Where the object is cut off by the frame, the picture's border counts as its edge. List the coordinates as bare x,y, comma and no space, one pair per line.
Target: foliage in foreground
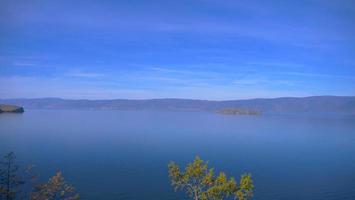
200,182
56,188
11,182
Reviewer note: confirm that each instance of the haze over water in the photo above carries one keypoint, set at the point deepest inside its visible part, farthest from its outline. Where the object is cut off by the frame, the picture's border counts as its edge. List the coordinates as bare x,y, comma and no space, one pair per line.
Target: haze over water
111,155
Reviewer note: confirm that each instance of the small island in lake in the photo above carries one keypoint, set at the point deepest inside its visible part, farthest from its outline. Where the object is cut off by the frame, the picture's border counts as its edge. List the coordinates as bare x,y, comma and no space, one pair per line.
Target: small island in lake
237,111
11,109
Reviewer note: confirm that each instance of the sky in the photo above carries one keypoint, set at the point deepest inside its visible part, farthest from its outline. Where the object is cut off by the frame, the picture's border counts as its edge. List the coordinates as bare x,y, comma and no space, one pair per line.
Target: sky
196,49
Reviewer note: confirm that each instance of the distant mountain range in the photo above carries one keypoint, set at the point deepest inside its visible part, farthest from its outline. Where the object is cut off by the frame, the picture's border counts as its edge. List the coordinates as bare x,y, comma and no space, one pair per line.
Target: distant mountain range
285,104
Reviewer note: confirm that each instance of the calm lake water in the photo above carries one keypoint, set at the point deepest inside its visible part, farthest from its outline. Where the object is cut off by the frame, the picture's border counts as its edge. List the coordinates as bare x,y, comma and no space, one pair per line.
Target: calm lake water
112,155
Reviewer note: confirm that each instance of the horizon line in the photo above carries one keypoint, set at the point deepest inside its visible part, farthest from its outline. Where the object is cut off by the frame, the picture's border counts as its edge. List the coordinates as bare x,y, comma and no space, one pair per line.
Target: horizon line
281,97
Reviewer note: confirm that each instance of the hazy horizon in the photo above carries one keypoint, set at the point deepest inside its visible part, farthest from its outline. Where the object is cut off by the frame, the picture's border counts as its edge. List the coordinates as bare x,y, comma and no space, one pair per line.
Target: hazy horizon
280,97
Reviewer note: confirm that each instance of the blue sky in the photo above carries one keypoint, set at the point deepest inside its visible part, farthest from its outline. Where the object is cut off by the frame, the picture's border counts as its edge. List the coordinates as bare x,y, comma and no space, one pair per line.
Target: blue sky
200,49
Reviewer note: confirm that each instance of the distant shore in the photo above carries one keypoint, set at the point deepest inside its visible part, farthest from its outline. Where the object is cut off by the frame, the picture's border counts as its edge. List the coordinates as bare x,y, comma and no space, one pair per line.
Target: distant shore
315,104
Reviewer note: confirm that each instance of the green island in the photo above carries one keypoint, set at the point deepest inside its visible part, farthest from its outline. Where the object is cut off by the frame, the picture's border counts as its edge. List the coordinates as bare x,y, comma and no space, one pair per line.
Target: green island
237,111
11,109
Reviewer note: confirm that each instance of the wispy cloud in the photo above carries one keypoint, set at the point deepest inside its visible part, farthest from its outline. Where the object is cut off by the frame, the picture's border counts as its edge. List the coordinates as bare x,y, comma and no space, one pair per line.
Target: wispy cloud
24,64
186,72
86,75
257,20
37,87
276,64
19,60
320,75
266,82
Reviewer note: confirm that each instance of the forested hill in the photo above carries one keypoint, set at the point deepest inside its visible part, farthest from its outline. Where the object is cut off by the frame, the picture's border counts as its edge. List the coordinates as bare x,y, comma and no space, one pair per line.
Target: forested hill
285,104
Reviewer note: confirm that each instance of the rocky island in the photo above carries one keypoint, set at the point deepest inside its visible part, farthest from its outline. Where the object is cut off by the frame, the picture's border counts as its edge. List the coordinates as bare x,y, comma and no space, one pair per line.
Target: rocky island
237,111
11,109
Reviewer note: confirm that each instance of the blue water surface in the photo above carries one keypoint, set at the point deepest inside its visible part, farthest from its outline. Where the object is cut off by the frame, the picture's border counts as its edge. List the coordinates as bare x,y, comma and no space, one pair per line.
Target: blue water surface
123,155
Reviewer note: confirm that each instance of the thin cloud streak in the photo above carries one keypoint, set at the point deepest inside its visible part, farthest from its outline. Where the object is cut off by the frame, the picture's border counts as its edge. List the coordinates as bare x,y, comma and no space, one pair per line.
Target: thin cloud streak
86,75
330,76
